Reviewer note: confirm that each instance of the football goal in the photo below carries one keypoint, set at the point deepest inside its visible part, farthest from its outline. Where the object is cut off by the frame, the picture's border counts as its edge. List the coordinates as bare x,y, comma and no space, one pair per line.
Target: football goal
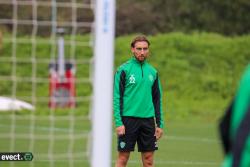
56,78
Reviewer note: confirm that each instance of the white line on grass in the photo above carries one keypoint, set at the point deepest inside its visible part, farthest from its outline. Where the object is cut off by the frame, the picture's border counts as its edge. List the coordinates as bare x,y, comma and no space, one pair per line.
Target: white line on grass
157,162
180,162
44,128
166,137
191,139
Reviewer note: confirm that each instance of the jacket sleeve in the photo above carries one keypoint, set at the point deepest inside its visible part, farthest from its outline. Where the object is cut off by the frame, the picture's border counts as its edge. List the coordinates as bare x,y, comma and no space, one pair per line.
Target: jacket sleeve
119,87
157,101
224,128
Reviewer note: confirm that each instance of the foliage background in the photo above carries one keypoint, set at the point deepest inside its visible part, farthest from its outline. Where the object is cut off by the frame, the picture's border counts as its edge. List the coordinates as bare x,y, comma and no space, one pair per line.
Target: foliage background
199,71
228,17
200,49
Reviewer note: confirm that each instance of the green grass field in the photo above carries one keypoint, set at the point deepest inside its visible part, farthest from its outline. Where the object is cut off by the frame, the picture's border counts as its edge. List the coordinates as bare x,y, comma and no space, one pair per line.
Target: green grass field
199,74
185,143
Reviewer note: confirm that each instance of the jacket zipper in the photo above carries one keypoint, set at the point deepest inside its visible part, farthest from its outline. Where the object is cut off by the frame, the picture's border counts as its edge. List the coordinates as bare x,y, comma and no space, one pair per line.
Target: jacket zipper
141,71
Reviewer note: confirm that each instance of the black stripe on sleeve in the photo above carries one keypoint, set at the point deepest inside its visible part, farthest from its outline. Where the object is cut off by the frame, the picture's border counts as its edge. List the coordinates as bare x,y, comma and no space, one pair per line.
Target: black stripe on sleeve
156,97
224,128
241,137
122,89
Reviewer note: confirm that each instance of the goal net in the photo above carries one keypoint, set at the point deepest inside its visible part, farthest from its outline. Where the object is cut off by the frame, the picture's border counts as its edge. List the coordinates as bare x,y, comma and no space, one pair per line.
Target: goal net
47,67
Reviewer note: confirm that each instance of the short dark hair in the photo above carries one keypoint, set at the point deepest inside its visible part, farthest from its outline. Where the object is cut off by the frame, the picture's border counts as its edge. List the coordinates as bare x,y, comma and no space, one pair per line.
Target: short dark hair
139,38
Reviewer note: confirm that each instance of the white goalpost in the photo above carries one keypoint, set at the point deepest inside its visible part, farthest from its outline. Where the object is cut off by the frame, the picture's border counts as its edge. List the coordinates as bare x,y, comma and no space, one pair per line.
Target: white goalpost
58,87
103,83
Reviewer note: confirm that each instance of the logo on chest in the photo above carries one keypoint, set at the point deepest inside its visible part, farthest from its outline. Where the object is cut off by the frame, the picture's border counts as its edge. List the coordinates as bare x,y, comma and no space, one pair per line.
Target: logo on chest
151,78
132,79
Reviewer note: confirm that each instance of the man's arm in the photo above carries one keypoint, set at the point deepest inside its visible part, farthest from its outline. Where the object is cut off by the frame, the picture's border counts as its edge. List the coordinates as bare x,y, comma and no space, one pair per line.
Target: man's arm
119,87
224,128
157,101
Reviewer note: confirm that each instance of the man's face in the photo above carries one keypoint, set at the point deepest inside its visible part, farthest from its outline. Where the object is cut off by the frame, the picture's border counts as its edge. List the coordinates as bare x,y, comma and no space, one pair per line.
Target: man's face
140,50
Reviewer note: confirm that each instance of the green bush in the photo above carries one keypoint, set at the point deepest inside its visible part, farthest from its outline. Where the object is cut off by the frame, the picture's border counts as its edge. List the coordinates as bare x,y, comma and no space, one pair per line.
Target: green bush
199,72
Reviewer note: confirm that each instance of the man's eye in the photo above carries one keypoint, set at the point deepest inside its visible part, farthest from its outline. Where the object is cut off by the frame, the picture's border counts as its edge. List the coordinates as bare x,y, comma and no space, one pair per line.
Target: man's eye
140,49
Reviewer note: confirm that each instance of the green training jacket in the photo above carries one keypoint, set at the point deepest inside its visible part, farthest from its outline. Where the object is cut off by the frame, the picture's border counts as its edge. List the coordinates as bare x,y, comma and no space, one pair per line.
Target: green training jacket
235,127
137,92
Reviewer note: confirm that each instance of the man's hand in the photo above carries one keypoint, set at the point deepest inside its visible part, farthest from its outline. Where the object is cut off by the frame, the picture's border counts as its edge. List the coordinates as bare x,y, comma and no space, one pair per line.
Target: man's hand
120,130
158,133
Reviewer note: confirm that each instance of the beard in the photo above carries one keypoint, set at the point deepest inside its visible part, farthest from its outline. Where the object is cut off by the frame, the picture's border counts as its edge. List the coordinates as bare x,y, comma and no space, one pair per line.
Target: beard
141,58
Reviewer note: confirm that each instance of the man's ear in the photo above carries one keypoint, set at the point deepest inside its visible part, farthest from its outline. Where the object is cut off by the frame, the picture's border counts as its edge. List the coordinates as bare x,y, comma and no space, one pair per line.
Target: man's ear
132,49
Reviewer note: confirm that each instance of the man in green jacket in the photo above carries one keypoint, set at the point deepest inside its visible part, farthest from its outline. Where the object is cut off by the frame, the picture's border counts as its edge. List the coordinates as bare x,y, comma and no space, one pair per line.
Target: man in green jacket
235,127
137,105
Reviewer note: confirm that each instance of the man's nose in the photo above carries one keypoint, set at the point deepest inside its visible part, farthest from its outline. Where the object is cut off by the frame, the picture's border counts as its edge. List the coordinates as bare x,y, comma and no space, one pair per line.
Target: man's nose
142,51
